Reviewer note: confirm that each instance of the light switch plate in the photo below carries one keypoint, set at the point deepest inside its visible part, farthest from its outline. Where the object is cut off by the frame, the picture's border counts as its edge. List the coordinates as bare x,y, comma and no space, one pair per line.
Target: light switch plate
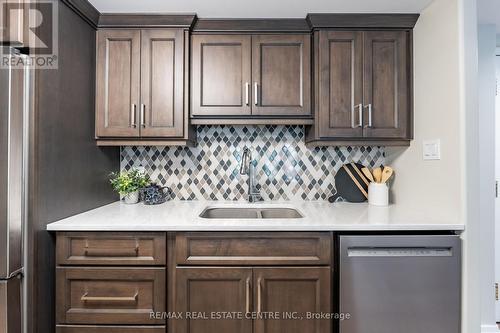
432,150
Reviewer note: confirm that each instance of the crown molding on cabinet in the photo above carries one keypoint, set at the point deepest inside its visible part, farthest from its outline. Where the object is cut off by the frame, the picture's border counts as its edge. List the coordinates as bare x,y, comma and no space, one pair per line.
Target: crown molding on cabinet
362,21
85,10
191,21
118,20
252,25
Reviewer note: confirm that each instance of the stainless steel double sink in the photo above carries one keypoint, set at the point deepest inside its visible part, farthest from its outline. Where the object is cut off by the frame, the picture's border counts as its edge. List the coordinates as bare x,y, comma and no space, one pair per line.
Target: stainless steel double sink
250,213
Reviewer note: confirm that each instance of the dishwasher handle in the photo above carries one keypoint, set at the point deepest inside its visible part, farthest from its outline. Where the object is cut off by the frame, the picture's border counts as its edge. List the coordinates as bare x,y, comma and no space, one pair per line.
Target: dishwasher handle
399,252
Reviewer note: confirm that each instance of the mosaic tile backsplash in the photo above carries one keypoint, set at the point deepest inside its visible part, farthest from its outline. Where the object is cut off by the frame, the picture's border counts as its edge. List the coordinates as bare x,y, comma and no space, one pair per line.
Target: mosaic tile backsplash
286,169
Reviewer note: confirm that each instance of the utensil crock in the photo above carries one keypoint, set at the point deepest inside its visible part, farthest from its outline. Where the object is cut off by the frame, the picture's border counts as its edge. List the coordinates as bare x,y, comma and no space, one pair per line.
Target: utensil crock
378,194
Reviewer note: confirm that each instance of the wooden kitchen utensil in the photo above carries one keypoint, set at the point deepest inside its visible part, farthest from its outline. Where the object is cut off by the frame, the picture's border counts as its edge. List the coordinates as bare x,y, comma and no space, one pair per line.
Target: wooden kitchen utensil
368,174
387,174
377,174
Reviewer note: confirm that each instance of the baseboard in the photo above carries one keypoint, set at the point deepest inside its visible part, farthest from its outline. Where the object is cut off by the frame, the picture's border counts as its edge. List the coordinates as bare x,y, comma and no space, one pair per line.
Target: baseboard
489,329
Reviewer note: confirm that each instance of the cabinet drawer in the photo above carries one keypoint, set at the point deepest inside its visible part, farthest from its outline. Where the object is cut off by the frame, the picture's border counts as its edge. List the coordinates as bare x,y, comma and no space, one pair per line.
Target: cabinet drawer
111,248
119,296
256,248
109,329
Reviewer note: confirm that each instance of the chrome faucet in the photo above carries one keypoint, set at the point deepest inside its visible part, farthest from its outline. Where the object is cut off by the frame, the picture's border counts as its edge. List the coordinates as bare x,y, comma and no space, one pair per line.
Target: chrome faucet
248,168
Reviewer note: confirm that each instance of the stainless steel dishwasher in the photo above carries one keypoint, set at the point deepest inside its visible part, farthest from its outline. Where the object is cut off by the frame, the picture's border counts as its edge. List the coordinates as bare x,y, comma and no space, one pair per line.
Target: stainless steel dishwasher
394,284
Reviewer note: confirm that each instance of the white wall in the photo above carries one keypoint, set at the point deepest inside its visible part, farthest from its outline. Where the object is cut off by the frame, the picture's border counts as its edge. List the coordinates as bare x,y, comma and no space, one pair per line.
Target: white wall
446,108
433,185
487,86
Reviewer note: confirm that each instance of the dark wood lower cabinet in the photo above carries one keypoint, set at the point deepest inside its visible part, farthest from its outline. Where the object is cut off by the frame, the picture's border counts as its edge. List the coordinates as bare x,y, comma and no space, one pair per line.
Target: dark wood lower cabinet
211,290
235,283
293,293
269,300
110,296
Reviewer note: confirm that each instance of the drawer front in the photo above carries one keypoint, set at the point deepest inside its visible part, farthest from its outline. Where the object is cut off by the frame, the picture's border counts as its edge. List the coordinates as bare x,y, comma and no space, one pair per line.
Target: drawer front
120,296
109,329
104,248
253,248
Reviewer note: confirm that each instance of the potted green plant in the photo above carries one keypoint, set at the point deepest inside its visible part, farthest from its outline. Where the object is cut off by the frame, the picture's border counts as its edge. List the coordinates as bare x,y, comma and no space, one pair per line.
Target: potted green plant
129,183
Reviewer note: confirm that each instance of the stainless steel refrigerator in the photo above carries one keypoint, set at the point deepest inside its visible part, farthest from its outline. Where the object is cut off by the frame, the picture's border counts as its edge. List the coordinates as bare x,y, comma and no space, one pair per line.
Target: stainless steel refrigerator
13,166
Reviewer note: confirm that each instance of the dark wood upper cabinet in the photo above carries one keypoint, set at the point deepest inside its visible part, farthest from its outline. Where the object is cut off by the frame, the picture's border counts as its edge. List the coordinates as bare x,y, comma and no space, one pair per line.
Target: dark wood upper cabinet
118,82
162,90
281,66
250,77
208,290
292,290
351,78
340,86
363,92
140,90
221,75
386,84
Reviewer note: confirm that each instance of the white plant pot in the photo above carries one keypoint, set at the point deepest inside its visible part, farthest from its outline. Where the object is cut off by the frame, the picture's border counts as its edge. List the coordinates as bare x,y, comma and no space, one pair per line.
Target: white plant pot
131,198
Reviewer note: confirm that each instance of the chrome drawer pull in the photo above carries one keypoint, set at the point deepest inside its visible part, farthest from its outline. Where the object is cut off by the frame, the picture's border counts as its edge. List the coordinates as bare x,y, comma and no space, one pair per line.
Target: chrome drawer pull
115,252
110,299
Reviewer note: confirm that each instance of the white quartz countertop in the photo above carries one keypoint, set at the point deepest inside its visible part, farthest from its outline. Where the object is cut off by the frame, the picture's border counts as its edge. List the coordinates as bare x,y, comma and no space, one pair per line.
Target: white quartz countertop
318,216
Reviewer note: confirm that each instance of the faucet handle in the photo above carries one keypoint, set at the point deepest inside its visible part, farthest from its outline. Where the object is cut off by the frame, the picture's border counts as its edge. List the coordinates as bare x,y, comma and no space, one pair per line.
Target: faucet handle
246,159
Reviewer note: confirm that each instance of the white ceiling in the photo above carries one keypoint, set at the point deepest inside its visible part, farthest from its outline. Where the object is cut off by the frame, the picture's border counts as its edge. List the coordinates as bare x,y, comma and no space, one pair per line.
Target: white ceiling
489,12
260,8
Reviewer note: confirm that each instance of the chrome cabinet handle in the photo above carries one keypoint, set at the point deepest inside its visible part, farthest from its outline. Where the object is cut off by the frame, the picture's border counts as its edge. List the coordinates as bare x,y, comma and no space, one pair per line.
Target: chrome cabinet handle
360,115
247,93
259,295
132,116
104,252
143,115
256,93
247,296
109,299
111,252
370,124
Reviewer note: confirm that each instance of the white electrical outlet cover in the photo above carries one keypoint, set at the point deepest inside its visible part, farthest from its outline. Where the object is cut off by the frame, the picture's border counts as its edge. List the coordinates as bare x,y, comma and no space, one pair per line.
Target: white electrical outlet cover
431,150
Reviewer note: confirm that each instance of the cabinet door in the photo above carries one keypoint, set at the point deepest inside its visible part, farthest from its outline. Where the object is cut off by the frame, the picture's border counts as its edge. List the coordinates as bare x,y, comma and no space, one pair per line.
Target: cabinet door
14,21
386,84
221,75
292,291
281,73
340,84
118,81
162,83
209,290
